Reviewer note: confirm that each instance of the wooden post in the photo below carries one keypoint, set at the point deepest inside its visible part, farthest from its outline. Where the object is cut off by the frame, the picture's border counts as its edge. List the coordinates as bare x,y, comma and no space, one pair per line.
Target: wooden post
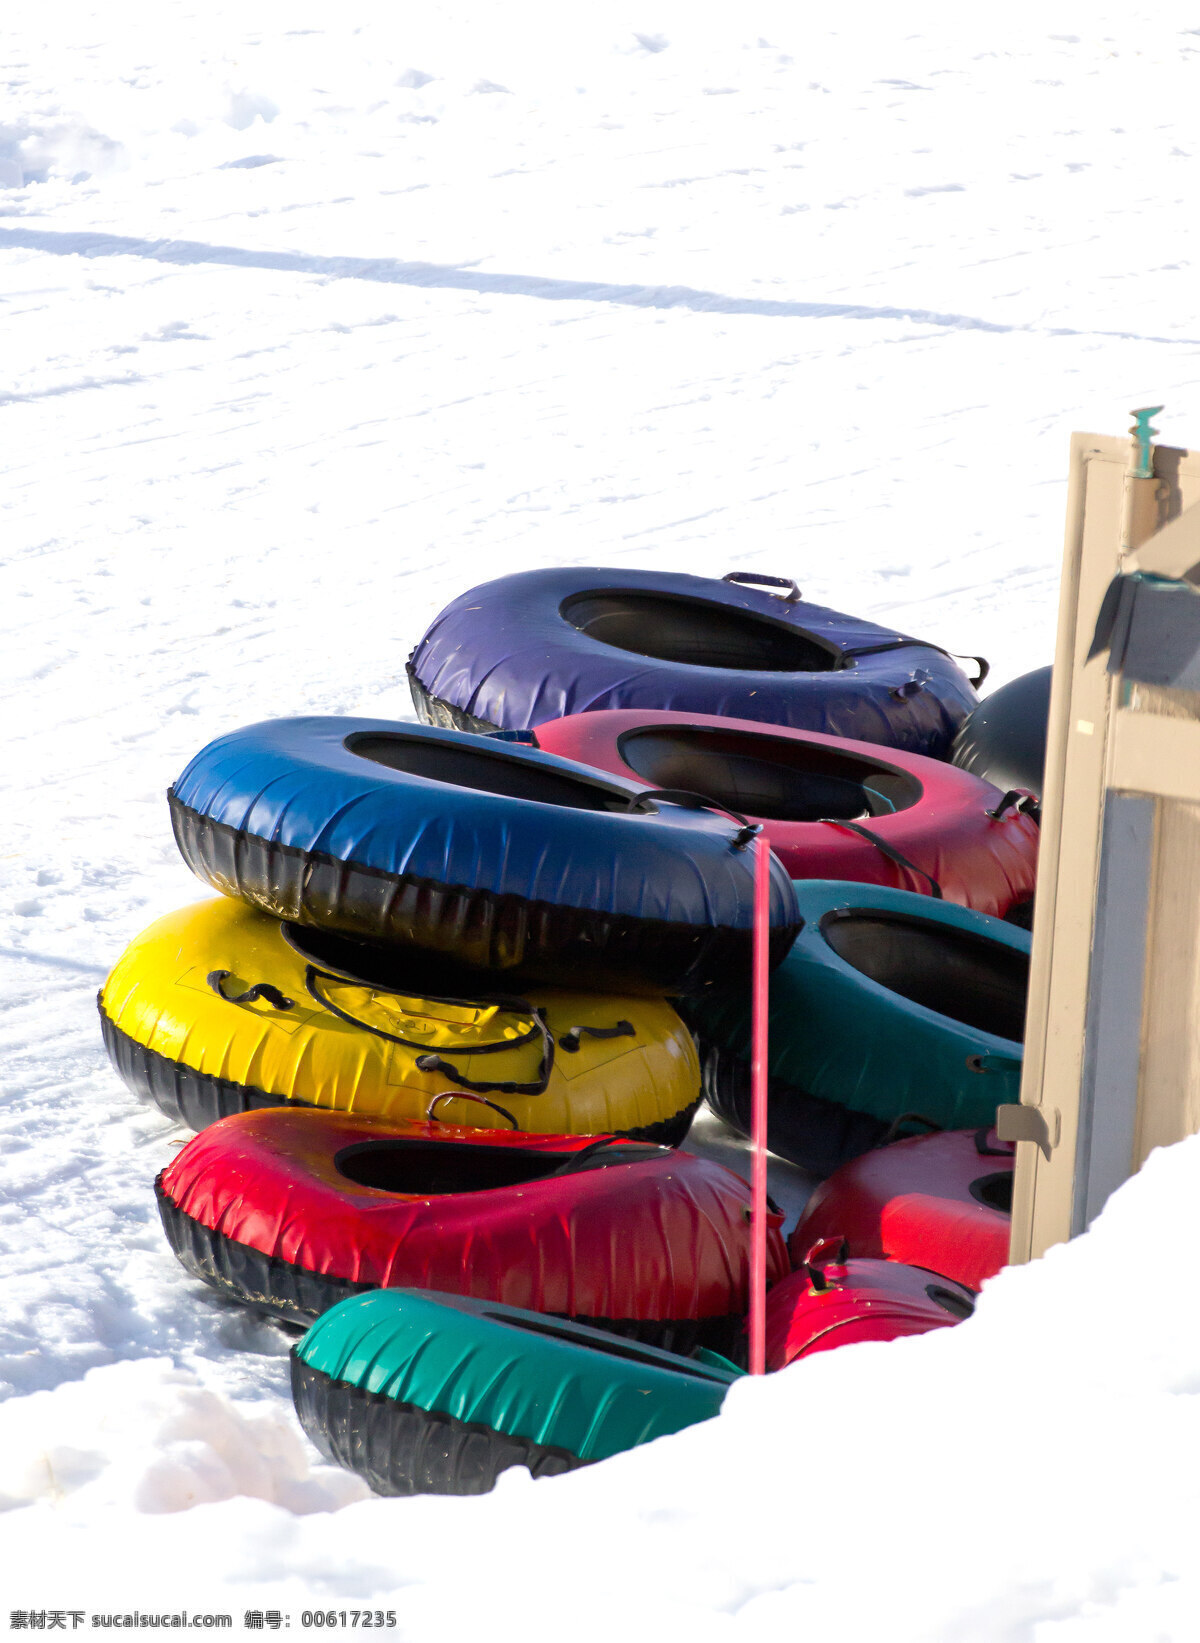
1112,1050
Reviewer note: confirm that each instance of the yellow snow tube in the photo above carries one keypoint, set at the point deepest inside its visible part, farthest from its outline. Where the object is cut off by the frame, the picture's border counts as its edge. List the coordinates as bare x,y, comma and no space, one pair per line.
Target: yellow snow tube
219,1008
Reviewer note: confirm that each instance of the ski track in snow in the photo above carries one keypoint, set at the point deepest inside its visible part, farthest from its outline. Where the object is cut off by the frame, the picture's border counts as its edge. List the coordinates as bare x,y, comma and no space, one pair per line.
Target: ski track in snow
272,393
426,276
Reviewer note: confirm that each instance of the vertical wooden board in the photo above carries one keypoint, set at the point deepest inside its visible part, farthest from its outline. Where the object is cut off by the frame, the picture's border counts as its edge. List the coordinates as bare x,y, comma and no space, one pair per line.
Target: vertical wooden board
1072,802
1116,999
1169,1097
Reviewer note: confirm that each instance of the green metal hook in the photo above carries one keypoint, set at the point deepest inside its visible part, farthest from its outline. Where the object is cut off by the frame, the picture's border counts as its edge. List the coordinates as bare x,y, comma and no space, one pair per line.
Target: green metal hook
1143,433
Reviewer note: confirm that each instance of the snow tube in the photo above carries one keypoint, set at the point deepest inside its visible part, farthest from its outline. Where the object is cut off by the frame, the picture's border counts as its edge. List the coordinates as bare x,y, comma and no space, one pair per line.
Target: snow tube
503,856
426,1393
1004,738
545,644
888,1005
943,1202
831,808
833,1301
291,1211
219,1009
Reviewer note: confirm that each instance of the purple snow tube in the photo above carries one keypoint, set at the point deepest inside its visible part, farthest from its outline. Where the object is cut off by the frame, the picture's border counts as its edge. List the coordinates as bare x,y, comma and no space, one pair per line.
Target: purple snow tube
543,644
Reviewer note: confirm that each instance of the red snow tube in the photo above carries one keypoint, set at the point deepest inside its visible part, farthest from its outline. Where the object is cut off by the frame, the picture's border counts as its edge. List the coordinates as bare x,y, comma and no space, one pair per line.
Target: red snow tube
833,1301
291,1211
938,1201
831,808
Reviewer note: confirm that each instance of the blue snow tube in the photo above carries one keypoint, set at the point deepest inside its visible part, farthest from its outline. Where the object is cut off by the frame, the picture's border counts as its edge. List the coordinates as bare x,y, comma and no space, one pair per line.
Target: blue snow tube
494,854
547,643
890,1008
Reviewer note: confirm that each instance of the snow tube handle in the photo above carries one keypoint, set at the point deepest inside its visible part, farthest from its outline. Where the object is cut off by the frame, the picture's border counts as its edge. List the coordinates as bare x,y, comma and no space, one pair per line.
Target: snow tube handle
749,576
893,1131
569,1040
697,801
500,1001
981,662
890,851
464,1095
984,1150
261,989
431,1062
1025,804
589,1157
985,667
825,1252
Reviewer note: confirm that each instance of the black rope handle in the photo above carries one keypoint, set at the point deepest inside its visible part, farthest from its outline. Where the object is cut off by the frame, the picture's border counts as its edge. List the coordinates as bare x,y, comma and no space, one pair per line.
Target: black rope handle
1025,804
261,989
698,801
817,1276
890,851
501,1001
749,576
772,1209
982,1148
896,1124
456,1095
985,667
591,1156
431,1062
569,1040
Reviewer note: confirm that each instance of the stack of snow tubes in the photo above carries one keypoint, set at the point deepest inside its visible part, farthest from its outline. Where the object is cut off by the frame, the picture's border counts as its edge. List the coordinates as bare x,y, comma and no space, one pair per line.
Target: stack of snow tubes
467,981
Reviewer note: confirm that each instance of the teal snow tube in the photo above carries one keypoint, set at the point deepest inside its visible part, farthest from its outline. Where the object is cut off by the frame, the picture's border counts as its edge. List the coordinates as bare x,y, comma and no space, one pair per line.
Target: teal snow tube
424,1393
889,1005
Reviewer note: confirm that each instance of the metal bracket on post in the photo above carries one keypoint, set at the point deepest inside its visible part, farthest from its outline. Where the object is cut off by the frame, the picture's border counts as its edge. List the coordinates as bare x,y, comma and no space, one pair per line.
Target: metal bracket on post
1041,1125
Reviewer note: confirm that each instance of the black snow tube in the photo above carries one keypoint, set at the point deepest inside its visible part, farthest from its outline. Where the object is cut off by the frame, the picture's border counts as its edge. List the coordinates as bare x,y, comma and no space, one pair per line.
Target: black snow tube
1004,739
543,644
503,856
817,1134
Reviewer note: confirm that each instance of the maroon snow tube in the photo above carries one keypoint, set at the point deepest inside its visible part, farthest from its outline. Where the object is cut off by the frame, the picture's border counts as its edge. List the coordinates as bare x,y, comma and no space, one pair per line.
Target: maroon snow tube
831,808
939,1201
291,1211
834,1301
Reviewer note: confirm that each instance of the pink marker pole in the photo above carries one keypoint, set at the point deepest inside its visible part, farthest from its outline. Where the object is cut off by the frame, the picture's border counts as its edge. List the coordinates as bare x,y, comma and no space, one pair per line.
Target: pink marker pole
758,1106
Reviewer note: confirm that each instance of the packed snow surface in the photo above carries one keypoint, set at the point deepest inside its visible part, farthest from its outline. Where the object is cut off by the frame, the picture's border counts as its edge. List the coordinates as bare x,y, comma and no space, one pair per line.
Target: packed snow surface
316,316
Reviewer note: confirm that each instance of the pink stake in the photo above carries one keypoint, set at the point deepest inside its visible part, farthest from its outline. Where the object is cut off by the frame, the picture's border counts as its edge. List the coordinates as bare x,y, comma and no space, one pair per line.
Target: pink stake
758,1106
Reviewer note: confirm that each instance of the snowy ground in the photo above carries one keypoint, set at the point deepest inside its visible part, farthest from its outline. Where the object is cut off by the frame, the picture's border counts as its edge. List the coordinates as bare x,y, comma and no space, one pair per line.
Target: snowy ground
318,315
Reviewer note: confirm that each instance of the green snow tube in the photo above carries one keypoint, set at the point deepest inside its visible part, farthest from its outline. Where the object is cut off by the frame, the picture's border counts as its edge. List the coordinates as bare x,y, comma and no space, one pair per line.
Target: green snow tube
889,1008
424,1393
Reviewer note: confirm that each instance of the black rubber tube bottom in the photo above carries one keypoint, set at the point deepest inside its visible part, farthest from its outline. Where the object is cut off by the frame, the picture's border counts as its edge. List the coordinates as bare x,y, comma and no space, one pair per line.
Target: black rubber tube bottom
818,1135
200,1099
431,710
401,1449
295,1295
522,938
